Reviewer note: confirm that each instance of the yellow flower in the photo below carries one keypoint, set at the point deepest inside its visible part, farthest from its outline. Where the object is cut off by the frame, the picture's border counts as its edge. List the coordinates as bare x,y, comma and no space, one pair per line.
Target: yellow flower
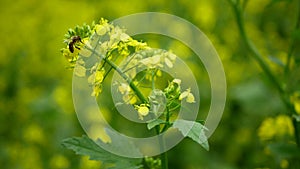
143,110
172,56
279,126
284,125
34,133
59,162
124,88
178,81
168,62
129,99
295,99
124,37
100,29
159,73
284,163
86,163
96,90
99,75
79,71
96,77
266,130
152,62
188,95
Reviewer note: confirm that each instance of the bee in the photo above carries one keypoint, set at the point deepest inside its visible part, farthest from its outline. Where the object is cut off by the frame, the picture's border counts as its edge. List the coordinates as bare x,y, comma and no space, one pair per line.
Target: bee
74,40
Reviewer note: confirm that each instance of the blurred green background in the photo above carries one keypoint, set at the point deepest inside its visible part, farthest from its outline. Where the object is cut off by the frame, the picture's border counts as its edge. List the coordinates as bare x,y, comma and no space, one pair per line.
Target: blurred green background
36,102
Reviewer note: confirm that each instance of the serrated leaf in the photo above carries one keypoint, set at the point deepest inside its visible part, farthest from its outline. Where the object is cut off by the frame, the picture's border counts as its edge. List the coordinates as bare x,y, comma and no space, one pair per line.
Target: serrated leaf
153,123
85,146
193,130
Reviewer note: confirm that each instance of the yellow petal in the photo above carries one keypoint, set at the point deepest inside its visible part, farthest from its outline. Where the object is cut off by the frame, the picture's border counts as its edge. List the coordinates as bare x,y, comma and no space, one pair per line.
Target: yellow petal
168,63
178,81
99,76
79,71
172,56
297,107
190,98
85,52
143,110
155,59
124,37
132,100
183,95
124,88
91,79
100,29
97,90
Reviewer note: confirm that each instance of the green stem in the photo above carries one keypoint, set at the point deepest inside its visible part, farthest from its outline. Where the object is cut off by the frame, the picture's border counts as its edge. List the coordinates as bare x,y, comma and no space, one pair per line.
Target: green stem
293,45
257,56
124,76
259,59
163,156
253,49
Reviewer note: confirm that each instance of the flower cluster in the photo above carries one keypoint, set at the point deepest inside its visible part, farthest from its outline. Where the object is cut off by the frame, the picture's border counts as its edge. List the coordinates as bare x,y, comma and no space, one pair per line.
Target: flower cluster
277,127
104,47
103,42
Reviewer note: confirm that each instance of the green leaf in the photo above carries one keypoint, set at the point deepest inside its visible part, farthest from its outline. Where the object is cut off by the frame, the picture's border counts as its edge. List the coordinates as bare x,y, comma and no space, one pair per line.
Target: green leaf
153,123
193,130
85,146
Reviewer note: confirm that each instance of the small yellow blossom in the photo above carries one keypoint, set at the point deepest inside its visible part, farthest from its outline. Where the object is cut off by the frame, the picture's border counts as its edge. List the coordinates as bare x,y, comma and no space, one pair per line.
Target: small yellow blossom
158,73
129,99
99,76
275,127
188,95
143,110
85,52
79,71
190,98
168,63
100,29
295,99
96,77
59,162
124,88
152,62
34,133
91,79
266,130
284,163
96,90
86,163
124,37
284,125
172,56
178,81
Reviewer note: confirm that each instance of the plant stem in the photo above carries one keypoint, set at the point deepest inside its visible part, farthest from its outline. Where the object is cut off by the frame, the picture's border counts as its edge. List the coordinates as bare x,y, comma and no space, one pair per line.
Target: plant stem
259,59
163,156
257,56
292,45
124,76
